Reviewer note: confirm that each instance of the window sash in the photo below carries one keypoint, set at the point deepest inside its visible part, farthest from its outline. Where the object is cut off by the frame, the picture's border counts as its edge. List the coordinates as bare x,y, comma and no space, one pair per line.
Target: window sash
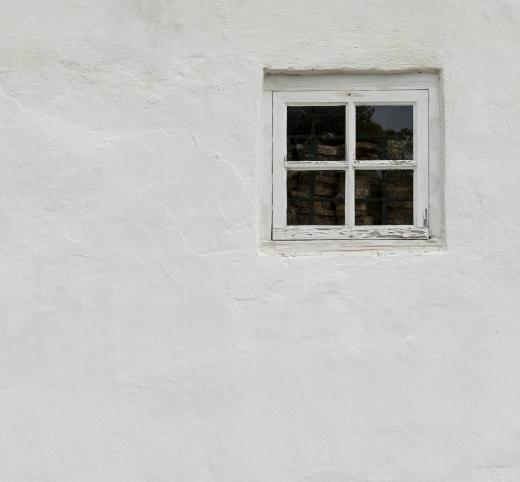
350,99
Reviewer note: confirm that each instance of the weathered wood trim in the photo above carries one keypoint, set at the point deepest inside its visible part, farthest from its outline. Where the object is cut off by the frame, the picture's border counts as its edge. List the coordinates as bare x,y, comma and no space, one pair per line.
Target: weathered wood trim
279,157
421,157
350,194
346,233
350,247
342,97
315,165
384,164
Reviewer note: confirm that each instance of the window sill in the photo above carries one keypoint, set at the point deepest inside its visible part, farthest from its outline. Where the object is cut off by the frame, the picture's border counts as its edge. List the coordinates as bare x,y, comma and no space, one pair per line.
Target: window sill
319,248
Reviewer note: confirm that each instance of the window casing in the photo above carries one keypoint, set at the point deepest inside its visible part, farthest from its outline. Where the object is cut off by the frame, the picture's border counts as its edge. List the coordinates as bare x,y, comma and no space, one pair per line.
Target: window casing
329,185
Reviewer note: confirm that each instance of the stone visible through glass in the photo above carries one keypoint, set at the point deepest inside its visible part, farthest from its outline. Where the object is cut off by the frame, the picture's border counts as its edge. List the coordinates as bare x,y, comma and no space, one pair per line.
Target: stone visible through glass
384,132
316,133
384,197
315,197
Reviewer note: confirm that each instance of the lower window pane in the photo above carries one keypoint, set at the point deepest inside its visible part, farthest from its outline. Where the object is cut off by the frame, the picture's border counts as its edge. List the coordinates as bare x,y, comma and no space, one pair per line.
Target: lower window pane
384,197
315,197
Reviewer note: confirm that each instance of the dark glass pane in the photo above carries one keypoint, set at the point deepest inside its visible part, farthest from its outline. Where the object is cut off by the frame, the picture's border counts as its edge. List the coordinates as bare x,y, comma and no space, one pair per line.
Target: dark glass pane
384,197
384,132
316,133
315,197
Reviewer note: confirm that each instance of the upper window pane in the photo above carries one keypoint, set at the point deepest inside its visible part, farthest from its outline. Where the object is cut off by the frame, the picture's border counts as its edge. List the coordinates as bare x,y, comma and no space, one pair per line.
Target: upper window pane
316,133
384,132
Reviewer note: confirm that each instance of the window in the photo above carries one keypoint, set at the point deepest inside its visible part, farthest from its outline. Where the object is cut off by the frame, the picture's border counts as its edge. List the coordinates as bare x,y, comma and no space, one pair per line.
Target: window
350,164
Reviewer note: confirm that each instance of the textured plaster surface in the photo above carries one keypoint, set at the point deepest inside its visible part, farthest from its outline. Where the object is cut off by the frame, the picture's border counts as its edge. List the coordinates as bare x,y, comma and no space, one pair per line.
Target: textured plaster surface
144,338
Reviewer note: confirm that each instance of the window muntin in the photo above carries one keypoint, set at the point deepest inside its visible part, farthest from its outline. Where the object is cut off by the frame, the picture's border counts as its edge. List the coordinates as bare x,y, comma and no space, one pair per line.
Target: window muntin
383,155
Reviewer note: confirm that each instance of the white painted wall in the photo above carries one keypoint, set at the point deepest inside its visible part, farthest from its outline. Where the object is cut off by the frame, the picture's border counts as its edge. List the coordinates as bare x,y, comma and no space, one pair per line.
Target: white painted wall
143,338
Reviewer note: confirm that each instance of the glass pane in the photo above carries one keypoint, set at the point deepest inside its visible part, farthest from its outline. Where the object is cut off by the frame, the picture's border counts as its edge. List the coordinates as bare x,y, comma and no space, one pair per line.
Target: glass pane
384,197
316,133
315,197
384,132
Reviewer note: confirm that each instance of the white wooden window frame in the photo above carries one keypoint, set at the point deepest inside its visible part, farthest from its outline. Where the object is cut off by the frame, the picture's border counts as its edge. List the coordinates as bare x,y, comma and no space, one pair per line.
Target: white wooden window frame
300,88
418,99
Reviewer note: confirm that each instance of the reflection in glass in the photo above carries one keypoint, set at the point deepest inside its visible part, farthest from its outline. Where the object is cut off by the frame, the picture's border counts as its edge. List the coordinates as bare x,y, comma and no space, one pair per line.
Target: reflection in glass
384,132
384,197
316,133
315,197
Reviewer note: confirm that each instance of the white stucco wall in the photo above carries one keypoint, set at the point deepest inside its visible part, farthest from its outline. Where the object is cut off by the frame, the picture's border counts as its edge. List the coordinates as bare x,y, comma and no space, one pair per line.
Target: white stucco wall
143,337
